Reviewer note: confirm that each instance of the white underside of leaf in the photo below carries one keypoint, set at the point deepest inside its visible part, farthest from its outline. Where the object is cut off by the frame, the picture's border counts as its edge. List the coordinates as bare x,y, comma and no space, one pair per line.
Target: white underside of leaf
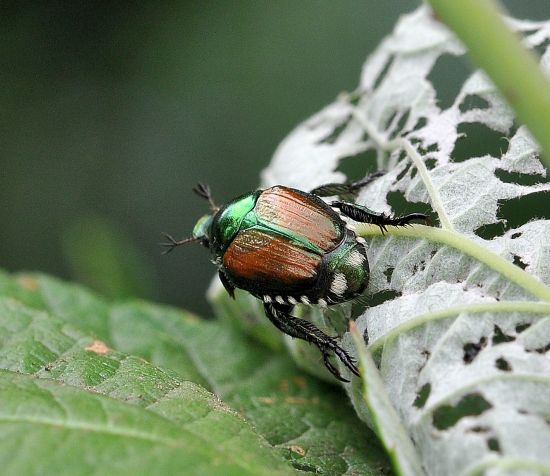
446,302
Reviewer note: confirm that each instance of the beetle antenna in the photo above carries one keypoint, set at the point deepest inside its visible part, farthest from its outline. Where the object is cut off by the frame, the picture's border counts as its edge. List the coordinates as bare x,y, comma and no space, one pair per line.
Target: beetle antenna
173,243
203,190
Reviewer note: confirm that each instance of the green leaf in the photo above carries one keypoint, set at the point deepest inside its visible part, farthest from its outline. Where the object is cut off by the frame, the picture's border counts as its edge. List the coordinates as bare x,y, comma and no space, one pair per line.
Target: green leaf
245,313
49,428
75,304
309,423
71,405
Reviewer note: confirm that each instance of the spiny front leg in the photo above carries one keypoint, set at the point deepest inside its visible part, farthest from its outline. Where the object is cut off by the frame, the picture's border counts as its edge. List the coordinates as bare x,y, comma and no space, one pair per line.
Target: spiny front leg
279,315
331,189
365,215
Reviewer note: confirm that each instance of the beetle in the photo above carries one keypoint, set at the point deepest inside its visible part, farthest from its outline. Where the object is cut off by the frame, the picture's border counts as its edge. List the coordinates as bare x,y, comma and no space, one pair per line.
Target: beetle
285,247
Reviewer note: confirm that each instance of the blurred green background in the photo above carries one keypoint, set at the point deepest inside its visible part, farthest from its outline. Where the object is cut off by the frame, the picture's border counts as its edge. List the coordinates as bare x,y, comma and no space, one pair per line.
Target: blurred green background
112,111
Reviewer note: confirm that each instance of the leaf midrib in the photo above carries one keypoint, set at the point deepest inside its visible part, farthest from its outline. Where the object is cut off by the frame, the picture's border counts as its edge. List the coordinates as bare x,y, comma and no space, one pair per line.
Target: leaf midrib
88,427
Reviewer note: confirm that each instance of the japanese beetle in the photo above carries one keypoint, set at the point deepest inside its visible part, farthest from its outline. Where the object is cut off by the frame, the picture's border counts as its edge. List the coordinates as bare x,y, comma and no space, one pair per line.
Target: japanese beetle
285,246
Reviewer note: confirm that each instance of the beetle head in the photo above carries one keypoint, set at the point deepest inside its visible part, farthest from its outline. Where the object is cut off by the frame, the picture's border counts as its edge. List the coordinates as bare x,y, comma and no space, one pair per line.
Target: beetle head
201,230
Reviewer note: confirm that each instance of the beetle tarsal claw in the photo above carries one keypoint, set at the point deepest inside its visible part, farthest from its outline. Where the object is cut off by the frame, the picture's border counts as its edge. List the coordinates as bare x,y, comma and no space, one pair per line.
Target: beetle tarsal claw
332,369
344,357
173,243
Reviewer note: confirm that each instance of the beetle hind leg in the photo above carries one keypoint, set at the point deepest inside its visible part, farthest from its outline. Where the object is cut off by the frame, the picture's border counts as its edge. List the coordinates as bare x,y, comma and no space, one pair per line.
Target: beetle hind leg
347,188
365,215
331,368
280,316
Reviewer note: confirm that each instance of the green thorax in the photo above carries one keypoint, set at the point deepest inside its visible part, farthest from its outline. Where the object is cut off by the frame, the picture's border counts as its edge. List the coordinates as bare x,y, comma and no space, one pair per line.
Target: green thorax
227,222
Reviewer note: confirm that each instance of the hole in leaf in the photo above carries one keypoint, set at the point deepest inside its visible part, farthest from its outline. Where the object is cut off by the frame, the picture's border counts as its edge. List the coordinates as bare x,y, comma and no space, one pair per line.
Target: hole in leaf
500,337
382,296
528,31
473,101
520,210
423,151
366,337
384,72
420,266
541,48
491,230
517,178
357,309
430,163
519,262
388,273
480,429
403,172
390,119
447,77
358,166
502,364
420,123
400,124
402,155
354,98
471,349
333,136
522,327
426,354
403,120
422,395
478,140
493,444
400,206
515,235
543,350
447,416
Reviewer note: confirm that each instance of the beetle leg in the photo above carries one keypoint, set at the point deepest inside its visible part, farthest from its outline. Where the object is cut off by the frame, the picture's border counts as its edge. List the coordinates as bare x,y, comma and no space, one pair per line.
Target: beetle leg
173,243
203,191
332,369
280,316
226,284
365,215
331,189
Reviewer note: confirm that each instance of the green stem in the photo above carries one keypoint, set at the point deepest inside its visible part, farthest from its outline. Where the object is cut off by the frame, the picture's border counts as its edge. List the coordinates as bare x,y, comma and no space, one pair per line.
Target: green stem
437,203
507,464
383,142
498,51
467,246
497,307
387,424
